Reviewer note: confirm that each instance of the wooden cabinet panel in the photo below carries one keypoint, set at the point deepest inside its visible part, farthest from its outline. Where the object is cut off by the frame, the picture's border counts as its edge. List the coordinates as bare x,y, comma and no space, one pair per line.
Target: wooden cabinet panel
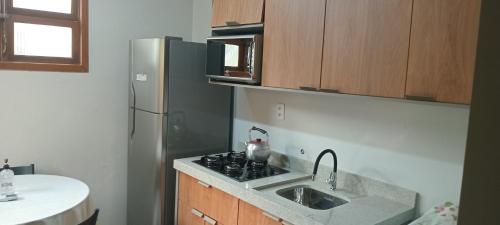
366,46
239,11
186,216
443,49
251,215
222,207
212,202
192,193
293,42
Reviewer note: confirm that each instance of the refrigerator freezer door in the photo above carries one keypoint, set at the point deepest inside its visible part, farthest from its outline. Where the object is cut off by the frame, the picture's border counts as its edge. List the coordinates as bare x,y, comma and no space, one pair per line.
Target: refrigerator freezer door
146,170
147,75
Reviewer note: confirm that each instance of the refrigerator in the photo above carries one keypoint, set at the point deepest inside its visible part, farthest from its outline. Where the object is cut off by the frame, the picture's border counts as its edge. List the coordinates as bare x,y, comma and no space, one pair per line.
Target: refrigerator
173,113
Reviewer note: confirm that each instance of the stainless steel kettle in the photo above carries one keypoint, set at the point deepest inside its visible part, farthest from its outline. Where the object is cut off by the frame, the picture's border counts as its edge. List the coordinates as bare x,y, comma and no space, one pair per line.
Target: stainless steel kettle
257,150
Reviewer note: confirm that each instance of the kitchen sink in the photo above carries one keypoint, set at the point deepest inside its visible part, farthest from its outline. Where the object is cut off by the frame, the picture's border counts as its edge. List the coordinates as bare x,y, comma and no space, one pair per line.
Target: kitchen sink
306,196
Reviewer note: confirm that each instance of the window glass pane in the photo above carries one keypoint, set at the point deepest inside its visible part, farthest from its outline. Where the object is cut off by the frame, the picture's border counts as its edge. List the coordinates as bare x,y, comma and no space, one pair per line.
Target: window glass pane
59,6
232,55
42,40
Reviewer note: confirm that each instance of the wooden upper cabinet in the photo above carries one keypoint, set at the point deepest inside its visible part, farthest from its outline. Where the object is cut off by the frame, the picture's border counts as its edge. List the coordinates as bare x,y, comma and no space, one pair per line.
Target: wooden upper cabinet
443,50
293,43
232,12
366,47
251,215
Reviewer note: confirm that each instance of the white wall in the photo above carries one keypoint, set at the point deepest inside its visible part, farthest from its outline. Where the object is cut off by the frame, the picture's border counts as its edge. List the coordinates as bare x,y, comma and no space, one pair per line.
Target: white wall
202,19
76,124
419,146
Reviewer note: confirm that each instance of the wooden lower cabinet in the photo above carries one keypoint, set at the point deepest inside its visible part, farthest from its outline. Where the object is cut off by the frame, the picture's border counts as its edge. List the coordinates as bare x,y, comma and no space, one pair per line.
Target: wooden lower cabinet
211,202
201,204
188,216
251,215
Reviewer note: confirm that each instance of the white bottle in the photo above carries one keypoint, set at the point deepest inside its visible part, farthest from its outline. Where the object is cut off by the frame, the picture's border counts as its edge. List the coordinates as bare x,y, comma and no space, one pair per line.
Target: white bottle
6,181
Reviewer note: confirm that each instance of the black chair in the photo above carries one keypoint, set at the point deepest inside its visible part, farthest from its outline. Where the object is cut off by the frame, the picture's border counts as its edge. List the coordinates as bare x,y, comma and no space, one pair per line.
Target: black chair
24,170
92,220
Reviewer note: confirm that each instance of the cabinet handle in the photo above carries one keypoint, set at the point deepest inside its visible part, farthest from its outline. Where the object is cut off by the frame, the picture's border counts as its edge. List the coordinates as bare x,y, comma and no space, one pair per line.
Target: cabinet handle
421,98
329,91
232,23
204,184
197,213
271,217
308,89
210,220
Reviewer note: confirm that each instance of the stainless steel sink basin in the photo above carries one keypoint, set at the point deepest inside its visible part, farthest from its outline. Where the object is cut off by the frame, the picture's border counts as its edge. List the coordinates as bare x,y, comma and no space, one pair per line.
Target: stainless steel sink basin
311,198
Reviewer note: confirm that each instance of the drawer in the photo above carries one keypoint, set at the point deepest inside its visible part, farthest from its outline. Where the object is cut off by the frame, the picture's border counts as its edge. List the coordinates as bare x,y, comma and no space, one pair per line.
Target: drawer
213,203
251,215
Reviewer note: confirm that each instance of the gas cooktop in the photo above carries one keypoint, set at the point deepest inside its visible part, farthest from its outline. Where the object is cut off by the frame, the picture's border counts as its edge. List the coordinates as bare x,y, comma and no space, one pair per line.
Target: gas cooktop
238,167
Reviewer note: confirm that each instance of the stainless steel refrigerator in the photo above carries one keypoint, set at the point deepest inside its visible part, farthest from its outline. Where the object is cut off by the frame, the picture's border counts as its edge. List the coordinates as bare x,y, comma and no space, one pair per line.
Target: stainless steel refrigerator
173,113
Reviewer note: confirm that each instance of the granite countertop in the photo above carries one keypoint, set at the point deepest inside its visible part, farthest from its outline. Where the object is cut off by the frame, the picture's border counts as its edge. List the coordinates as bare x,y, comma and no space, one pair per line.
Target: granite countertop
370,202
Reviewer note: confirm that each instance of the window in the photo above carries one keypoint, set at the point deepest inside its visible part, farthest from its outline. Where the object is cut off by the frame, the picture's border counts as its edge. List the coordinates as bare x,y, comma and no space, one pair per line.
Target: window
44,35
232,55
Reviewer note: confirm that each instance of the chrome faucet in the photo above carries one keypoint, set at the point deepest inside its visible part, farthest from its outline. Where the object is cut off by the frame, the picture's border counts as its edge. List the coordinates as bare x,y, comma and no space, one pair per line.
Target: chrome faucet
332,180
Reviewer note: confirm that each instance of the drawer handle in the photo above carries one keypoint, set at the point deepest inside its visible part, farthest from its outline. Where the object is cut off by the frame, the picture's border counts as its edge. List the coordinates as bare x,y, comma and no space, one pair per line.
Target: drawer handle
204,184
271,217
421,98
232,23
197,213
210,220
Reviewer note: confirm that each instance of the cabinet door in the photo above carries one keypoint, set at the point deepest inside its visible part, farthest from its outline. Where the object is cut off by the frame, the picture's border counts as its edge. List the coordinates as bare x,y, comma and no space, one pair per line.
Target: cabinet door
293,42
188,216
212,202
251,215
443,49
193,193
222,207
366,46
228,12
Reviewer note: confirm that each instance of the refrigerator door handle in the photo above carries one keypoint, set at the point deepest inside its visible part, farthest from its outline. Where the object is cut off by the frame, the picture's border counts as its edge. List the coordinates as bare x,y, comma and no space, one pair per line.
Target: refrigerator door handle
132,132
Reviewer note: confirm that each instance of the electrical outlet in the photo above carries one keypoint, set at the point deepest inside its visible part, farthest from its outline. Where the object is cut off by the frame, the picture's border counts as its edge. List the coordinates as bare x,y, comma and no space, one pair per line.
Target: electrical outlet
280,111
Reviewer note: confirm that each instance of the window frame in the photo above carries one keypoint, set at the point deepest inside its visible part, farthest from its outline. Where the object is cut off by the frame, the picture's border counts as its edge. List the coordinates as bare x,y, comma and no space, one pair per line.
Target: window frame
77,20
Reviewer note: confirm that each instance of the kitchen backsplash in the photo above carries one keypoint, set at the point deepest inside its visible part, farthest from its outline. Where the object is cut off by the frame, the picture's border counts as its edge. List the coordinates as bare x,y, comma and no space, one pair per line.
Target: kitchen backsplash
418,146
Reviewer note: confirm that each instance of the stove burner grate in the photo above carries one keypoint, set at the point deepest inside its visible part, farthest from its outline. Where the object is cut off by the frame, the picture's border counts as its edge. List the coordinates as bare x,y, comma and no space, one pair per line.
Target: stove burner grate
233,169
236,166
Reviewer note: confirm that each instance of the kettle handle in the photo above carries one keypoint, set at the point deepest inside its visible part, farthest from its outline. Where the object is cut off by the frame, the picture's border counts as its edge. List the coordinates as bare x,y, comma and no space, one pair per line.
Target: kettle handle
259,130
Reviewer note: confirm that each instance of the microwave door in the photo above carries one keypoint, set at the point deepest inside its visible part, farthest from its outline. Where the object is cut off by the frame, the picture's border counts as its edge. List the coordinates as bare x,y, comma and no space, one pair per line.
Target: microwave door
232,58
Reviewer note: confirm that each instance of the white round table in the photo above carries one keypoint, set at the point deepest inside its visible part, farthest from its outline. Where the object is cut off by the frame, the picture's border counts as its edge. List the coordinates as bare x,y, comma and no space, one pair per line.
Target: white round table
47,200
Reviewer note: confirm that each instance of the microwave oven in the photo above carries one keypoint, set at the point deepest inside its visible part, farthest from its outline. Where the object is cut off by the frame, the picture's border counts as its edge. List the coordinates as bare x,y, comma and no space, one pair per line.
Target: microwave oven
235,58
